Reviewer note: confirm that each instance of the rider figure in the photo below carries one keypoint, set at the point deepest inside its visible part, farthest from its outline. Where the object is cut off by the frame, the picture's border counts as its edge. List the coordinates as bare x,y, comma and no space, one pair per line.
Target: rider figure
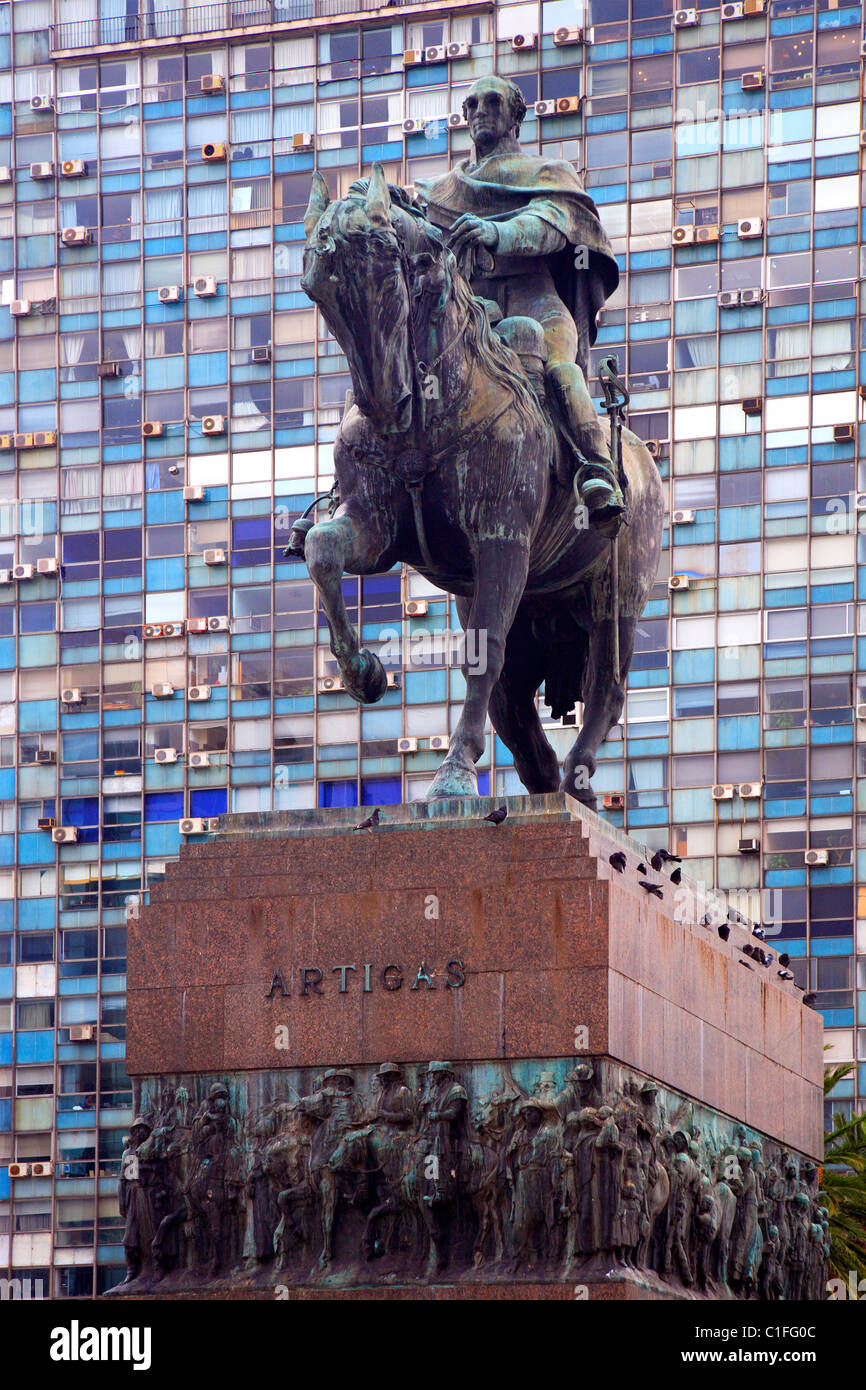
535,220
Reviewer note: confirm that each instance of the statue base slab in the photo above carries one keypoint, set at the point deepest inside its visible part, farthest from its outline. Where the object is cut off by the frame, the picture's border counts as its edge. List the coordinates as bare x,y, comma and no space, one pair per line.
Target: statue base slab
623,1109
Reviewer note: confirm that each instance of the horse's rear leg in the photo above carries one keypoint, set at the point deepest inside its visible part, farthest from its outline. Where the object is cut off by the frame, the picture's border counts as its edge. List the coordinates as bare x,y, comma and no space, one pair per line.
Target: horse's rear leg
501,567
513,711
348,541
603,701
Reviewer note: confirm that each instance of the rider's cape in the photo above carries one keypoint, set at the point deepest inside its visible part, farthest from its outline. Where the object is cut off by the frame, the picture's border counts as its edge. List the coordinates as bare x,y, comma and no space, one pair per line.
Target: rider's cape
502,186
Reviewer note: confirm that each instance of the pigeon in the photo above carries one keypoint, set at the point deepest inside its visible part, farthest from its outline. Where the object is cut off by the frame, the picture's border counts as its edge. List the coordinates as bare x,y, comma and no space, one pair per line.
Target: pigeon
651,888
724,933
784,974
747,951
642,868
670,858
746,964
784,959
657,860
766,958
498,816
676,876
618,861
809,999
758,932
370,823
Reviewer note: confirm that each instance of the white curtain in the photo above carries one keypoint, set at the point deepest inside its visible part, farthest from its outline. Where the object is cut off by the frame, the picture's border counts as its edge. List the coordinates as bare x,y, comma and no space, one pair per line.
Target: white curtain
121,284
427,105
250,126
132,342
165,206
291,120
207,204
121,482
154,340
791,350
79,490
835,343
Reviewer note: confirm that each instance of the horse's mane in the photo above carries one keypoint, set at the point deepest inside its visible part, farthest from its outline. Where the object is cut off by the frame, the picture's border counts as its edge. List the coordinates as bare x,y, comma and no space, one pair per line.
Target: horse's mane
496,358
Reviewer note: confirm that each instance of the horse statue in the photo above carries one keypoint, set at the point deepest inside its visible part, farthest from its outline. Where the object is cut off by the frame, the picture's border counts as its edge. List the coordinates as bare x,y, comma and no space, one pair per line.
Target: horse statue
448,459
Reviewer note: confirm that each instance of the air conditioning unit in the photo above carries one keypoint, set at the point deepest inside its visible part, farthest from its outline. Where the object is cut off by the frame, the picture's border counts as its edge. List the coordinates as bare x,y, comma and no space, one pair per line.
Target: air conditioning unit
199,759
415,607
45,756
5,173
43,170
71,696
153,630
82,1032
752,81
545,108
439,742
165,755
522,42
19,1170
564,105
47,565
412,56
678,581
20,308
683,516
753,296
23,441
816,856
5,576
412,125
196,624
732,11
751,7
435,53
723,793
260,354
41,1170
213,424
728,299
407,745
328,685
205,286
163,690
682,236
197,693
23,572
173,629
76,236
613,801
566,34
703,234
152,429
392,680
65,834
220,624
749,790
106,370
458,50
843,434
655,448
169,294
750,227
46,823
191,825
73,168
42,438
457,121
214,557
302,140
753,405
42,103
749,846
213,82
685,19
213,153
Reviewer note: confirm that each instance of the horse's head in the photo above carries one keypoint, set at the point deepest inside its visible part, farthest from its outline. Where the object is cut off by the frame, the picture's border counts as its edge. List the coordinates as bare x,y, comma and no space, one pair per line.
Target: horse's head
365,262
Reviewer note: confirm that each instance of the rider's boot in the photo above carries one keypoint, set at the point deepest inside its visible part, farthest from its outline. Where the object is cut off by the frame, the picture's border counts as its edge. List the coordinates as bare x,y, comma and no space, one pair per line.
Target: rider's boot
595,482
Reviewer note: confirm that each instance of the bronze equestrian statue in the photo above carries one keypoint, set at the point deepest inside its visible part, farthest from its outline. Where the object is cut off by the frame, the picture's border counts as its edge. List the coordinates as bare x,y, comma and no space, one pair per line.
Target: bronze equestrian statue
470,431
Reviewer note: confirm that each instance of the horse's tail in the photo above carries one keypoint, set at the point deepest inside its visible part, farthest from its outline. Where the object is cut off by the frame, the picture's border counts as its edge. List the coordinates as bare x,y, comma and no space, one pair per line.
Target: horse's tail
563,675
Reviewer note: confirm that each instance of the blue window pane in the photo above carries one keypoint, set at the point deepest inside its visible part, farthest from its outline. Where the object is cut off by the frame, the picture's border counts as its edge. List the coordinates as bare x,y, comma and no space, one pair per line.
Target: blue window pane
163,806
210,801
338,794
380,791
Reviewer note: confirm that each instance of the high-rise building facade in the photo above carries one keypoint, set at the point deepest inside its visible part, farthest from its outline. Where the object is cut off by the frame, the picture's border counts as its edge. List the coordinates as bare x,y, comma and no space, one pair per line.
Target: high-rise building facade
168,404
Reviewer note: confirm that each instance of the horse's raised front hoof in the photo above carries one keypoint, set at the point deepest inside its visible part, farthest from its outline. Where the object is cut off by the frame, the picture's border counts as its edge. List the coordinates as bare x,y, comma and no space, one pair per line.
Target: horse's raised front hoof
368,681
453,779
